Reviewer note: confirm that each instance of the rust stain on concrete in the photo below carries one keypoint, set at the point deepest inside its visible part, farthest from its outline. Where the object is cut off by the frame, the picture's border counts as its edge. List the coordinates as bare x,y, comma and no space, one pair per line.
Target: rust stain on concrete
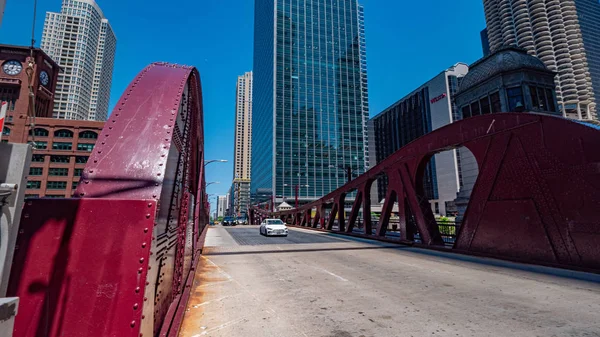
206,274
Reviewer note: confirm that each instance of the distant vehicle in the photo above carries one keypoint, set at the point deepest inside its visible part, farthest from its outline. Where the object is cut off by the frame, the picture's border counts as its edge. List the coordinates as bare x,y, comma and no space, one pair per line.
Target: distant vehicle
241,220
272,227
229,221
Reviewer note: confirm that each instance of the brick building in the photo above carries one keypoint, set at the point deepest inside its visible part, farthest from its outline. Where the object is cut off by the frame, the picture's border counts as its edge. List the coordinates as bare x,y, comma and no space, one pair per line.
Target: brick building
62,147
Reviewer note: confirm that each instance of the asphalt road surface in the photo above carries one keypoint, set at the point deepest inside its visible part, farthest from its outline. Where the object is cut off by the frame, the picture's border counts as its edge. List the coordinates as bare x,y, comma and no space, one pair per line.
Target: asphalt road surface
319,284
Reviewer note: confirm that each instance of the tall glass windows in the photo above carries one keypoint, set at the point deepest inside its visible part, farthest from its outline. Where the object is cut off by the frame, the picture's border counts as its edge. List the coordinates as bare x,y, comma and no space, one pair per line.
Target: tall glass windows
317,95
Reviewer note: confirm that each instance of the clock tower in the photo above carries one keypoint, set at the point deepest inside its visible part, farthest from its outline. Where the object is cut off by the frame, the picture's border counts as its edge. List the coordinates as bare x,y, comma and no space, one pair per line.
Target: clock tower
14,88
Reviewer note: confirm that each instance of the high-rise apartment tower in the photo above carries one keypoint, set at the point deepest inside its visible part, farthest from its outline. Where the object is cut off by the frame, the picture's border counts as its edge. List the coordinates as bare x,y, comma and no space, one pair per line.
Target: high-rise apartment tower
565,35
242,144
82,42
310,108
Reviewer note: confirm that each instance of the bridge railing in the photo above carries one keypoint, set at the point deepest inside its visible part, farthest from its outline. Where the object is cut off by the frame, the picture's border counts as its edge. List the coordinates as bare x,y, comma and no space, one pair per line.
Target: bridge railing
118,259
535,200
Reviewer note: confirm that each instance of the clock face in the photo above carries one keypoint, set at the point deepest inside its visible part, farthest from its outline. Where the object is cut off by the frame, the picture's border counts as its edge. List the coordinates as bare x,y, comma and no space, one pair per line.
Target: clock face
12,67
44,78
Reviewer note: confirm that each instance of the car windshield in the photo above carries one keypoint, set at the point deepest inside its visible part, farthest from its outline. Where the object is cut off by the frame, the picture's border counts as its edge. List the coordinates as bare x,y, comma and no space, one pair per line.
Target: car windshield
274,222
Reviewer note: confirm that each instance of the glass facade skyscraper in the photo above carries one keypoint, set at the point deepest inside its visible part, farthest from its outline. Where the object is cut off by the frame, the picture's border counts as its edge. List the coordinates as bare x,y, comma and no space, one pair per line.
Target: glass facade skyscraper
310,107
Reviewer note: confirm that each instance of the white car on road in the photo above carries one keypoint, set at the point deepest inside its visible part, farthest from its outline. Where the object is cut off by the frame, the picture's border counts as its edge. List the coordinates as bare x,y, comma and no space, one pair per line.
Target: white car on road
271,227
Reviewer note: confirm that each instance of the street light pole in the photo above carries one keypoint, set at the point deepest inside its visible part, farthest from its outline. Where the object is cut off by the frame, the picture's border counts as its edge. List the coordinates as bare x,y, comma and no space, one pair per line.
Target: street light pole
297,187
215,161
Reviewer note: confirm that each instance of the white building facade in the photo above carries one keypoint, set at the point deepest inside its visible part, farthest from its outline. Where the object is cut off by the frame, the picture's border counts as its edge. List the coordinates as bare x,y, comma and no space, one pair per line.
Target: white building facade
565,35
427,108
81,40
222,206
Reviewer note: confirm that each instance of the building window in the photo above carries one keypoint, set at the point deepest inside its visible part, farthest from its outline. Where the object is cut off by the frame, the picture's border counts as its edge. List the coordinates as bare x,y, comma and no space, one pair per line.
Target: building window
81,159
62,146
60,159
36,171
39,132
515,99
62,172
5,131
78,172
466,112
88,135
475,109
56,185
38,158
74,185
30,196
485,105
63,133
54,196
41,145
495,102
34,184
85,147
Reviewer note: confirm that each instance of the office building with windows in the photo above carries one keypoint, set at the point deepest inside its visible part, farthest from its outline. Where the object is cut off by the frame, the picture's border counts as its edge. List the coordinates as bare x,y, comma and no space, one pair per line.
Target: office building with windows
221,205
565,35
427,108
310,107
62,147
81,40
242,159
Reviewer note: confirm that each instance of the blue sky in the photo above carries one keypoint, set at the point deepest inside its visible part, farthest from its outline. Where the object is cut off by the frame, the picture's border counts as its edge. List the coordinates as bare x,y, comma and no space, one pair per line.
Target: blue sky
408,42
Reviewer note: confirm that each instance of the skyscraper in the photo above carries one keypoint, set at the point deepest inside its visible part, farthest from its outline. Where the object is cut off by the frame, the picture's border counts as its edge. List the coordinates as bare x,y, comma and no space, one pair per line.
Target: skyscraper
310,96
242,144
82,42
565,35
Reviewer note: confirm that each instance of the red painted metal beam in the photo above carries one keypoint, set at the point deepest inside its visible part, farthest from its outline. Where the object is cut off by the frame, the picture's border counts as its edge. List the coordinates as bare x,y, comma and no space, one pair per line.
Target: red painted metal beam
117,261
536,198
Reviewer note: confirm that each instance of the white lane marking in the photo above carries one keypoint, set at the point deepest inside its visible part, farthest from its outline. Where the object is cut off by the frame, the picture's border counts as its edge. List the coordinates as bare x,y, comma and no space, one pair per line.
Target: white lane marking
332,274
220,327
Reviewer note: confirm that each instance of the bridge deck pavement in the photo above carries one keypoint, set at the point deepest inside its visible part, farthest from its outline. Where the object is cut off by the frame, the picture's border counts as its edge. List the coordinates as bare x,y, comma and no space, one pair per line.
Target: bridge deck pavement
319,284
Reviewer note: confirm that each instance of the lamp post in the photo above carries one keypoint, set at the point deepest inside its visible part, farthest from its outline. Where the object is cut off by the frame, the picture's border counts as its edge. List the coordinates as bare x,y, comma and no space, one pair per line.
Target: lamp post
296,188
215,161
347,169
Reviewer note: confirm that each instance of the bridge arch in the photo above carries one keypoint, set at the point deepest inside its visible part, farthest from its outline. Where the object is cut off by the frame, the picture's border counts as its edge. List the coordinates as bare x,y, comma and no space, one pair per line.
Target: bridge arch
522,206
134,230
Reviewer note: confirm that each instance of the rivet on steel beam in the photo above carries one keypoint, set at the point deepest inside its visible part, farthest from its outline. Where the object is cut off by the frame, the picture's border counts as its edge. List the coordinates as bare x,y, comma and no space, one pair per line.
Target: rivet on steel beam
149,267
140,271
145,299
147,283
91,171
148,215
21,231
142,260
26,215
110,127
158,174
135,306
132,324
86,182
149,204
146,230
137,289
143,245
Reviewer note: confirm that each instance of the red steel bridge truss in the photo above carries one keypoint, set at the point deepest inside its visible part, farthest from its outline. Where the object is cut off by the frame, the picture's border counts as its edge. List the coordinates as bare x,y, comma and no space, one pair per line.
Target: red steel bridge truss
536,198
119,258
